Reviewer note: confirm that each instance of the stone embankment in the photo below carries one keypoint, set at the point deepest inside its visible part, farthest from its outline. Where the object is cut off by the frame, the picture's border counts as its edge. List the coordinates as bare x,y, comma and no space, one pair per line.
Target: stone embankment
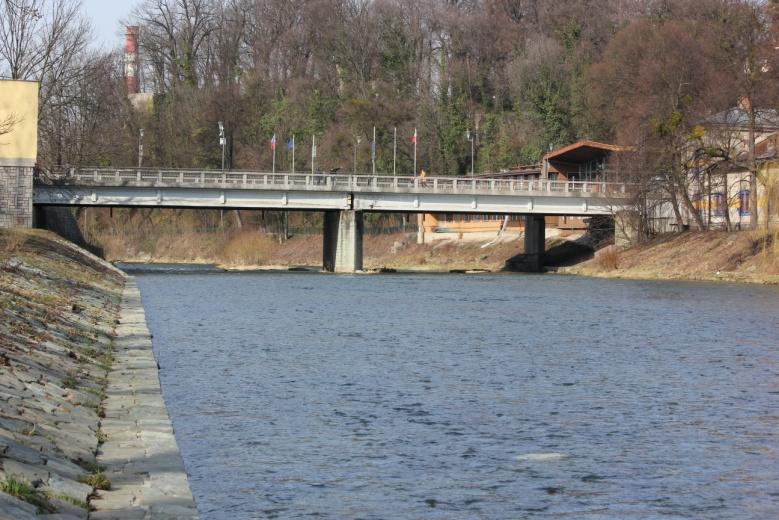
140,455
59,308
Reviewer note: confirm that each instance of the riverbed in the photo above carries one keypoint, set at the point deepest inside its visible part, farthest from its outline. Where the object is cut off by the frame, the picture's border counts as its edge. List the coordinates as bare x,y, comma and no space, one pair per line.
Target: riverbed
299,395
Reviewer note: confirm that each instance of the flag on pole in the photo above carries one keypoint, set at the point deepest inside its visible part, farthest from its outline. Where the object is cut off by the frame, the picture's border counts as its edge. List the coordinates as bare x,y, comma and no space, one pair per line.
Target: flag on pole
414,137
373,151
273,143
291,143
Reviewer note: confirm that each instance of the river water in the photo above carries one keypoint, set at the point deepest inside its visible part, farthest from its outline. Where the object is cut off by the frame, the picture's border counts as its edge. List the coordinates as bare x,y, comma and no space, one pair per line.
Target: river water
455,396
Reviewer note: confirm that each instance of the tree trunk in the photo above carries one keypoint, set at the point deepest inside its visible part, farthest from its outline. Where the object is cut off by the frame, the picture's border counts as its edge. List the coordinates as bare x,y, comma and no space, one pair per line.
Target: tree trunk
675,206
690,208
726,189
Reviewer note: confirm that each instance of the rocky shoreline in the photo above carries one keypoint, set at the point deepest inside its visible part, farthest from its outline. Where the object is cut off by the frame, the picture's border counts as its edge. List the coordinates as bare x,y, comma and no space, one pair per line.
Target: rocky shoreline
59,308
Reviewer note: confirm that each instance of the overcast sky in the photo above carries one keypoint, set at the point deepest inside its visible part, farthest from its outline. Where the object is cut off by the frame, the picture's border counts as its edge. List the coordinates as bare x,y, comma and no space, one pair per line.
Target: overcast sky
105,16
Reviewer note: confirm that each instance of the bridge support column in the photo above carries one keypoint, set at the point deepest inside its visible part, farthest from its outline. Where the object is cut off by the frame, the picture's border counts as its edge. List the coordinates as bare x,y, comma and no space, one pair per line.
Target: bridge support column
535,238
342,235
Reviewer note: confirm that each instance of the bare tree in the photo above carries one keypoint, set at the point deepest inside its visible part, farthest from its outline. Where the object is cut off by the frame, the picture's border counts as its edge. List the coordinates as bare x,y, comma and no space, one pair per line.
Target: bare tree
173,37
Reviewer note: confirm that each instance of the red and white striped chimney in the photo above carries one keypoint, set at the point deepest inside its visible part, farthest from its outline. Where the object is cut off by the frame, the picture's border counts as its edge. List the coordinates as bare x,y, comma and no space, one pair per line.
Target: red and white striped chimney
131,60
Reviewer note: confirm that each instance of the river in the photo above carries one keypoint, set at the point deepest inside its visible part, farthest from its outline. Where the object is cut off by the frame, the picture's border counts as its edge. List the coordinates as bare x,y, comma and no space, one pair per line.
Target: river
300,395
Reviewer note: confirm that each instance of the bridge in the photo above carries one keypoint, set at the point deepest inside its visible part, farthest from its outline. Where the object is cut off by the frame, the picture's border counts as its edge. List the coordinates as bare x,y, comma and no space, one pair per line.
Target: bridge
343,198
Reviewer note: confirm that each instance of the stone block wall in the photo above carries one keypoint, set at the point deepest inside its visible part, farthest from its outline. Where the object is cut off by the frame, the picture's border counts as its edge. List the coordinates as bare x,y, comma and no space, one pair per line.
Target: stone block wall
15,196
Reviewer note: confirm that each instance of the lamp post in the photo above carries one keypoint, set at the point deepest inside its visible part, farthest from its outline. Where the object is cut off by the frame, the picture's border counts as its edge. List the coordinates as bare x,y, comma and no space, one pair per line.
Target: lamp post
222,141
140,148
471,137
394,150
357,140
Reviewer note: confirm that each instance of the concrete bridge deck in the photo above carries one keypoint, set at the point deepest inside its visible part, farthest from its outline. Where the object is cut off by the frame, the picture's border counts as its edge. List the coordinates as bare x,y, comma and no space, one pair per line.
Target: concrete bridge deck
245,190
343,198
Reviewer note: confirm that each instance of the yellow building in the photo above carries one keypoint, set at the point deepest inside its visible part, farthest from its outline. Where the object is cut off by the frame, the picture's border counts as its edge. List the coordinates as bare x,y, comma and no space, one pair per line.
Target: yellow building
18,150
18,123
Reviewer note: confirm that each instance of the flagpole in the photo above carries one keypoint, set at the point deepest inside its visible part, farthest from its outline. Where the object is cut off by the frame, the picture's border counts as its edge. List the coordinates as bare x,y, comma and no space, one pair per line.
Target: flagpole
293,154
373,151
274,154
394,151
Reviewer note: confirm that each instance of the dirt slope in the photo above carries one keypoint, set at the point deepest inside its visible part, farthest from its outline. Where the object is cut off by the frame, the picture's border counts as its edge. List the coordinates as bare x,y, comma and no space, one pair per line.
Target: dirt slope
731,256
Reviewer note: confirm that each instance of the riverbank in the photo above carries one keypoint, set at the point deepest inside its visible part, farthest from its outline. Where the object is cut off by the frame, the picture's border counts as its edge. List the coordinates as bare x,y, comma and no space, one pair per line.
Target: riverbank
251,249
747,257
140,454
60,306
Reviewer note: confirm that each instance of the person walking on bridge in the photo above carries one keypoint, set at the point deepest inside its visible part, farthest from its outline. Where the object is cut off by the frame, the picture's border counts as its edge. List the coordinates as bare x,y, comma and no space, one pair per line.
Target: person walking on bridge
423,178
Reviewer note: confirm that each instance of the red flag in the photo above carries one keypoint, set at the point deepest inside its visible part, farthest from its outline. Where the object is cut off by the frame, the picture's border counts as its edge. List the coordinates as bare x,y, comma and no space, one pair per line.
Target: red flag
273,143
414,137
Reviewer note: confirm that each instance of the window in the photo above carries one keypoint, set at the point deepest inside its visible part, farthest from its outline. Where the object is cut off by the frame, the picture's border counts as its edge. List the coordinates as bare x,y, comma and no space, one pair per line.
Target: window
696,203
718,204
743,203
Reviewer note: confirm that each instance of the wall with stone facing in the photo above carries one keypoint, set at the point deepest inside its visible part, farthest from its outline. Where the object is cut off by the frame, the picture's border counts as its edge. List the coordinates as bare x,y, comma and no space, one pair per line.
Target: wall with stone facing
15,196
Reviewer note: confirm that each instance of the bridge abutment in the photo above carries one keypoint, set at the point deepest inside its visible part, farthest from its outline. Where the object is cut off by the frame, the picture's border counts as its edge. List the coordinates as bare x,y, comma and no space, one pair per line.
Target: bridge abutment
342,236
15,196
535,238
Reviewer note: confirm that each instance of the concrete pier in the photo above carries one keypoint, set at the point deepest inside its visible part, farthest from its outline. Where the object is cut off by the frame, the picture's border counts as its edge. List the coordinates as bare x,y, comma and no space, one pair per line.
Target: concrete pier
535,237
140,454
342,236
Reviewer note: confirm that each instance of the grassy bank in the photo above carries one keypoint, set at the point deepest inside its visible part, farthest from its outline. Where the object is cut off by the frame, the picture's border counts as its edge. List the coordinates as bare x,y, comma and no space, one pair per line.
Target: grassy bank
727,256
252,249
59,306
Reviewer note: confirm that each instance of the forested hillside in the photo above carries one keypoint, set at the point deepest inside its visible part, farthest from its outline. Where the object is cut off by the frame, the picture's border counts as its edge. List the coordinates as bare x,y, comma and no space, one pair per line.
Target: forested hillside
521,75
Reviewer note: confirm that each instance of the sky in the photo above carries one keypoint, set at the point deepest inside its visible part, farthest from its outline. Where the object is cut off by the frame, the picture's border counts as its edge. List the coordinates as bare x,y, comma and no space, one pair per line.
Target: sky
105,16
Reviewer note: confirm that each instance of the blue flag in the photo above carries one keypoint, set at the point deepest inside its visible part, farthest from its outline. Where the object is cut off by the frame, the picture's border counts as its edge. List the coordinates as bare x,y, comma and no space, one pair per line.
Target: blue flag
291,144
373,150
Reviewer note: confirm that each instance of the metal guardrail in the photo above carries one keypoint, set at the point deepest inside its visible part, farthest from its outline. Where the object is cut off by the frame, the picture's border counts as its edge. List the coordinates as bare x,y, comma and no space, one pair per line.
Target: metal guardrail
167,178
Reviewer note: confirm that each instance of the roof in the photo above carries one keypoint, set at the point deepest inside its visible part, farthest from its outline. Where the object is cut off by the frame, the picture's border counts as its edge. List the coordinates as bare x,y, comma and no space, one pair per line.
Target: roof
583,151
767,149
766,118
519,171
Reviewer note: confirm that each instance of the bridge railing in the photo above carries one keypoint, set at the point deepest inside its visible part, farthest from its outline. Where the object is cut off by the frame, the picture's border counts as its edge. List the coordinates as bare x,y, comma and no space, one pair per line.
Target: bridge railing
168,178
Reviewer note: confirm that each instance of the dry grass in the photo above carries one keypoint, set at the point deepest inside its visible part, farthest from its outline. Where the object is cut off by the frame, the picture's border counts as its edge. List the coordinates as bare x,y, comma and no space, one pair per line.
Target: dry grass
247,248
767,247
12,240
607,259
749,256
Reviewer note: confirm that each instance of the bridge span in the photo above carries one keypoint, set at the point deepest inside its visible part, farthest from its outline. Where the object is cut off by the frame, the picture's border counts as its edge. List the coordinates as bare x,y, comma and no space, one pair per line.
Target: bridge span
343,198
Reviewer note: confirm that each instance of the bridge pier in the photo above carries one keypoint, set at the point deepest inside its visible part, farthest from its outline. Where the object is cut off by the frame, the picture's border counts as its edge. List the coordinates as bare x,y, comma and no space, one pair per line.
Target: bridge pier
535,238
342,247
